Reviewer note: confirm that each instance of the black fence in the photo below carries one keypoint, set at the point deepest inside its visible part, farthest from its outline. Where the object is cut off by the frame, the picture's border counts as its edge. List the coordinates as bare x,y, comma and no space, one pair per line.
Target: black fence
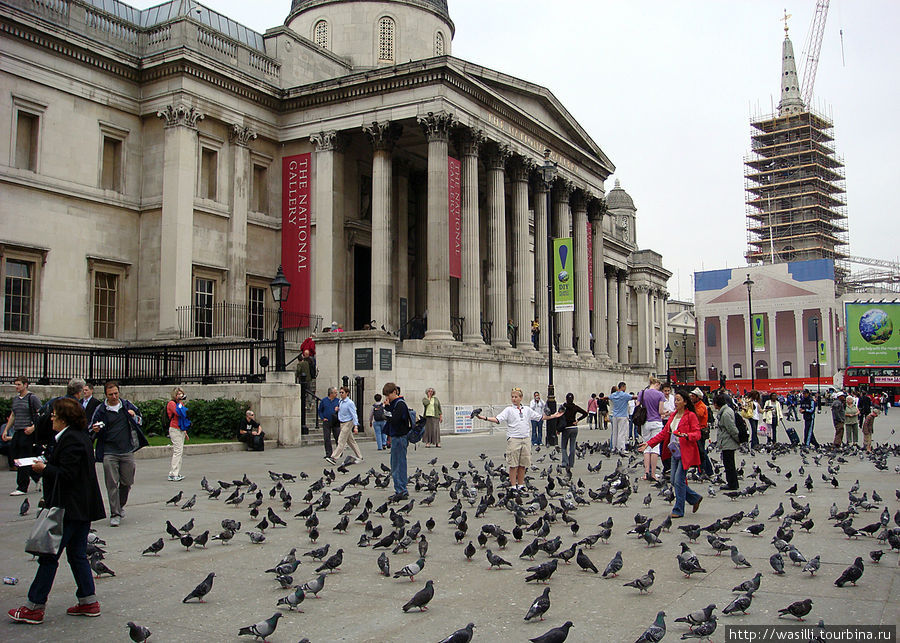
255,322
183,363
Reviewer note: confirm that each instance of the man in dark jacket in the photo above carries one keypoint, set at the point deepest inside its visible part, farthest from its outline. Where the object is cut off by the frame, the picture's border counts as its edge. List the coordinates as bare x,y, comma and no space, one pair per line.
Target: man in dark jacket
808,409
396,414
837,417
117,429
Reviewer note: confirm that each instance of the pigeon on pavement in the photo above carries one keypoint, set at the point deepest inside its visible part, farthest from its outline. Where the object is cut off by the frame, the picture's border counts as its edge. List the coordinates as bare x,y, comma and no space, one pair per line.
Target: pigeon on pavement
540,606
411,570
421,598
201,590
137,633
777,563
174,500
315,585
614,567
495,560
643,583
656,631
813,565
463,635
24,507
262,629
852,573
700,616
333,562
739,604
585,562
384,564
749,586
154,548
556,635
293,599
798,609
702,631
190,503
738,558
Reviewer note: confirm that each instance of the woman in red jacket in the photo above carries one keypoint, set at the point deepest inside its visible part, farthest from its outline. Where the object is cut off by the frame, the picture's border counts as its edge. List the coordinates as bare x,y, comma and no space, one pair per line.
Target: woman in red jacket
679,437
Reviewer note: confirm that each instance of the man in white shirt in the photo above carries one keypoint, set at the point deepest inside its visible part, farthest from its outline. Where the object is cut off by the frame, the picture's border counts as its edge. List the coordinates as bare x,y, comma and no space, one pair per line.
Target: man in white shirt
518,420
537,426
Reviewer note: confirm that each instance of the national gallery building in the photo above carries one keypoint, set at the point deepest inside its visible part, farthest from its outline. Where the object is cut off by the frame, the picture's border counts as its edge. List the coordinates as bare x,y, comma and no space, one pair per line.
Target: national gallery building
158,166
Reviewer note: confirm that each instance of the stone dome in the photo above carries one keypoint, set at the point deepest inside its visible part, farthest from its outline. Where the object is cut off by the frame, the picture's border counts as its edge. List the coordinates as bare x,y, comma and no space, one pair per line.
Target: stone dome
619,198
438,7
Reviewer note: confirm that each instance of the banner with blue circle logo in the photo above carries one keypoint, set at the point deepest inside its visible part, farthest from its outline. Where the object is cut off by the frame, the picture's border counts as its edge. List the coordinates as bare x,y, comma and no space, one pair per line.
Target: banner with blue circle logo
563,275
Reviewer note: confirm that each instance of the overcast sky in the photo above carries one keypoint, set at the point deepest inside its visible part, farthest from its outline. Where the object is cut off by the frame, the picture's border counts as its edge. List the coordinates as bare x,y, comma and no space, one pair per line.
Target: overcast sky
667,89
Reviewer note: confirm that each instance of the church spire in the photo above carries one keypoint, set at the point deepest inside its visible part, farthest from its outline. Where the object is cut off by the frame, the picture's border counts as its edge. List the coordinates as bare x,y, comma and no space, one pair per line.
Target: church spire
790,103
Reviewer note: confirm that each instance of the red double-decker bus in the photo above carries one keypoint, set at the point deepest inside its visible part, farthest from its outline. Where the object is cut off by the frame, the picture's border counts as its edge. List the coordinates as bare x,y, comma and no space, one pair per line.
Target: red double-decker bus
875,380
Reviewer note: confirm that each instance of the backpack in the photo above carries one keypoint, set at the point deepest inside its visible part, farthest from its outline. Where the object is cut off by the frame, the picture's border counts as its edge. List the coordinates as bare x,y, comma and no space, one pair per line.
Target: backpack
741,424
378,412
164,418
639,416
416,428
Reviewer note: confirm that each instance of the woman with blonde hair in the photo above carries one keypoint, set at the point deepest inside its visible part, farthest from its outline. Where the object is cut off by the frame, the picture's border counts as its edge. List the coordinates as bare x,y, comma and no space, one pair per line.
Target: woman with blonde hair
176,412
434,415
654,401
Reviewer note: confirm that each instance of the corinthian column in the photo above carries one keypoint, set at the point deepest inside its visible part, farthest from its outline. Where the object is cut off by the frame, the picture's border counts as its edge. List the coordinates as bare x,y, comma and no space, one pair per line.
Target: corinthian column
329,219
623,317
643,328
612,313
579,245
497,310
540,261
470,284
599,322
437,130
563,220
383,136
523,270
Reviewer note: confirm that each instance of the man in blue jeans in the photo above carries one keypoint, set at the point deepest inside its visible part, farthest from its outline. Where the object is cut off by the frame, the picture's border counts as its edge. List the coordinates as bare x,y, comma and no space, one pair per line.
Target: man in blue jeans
396,415
539,406
808,409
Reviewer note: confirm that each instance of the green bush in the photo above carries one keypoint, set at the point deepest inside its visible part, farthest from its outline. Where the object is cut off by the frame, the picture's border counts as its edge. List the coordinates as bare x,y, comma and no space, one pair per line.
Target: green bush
5,409
216,418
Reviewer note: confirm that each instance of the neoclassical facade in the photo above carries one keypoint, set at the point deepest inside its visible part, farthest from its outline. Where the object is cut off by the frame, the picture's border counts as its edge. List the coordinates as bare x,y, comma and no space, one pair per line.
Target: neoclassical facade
170,159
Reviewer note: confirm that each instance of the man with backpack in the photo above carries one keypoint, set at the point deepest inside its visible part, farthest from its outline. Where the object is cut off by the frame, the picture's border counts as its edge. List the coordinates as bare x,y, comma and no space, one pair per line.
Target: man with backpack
377,421
398,424
19,432
808,409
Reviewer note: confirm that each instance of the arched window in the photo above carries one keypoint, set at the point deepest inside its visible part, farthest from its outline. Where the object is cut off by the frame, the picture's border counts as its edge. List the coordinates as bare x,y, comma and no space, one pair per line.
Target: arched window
386,39
321,34
439,44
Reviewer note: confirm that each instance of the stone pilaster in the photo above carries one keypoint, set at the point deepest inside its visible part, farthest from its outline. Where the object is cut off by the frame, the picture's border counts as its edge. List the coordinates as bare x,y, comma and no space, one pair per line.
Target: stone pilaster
469,144
541,233
774,364
612,313
702,358
436,126
643,328
497,305
598,323
180,153
383,135
622,278
726,359
240,203
663,333
579,245
328,205
563,221
523,270
800,368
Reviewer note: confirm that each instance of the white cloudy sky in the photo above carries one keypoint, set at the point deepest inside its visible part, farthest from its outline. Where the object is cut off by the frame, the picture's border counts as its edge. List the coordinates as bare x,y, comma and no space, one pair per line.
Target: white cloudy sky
667,89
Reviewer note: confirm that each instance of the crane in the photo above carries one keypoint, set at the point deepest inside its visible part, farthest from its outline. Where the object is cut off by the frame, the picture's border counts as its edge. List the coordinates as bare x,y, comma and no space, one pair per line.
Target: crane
813,47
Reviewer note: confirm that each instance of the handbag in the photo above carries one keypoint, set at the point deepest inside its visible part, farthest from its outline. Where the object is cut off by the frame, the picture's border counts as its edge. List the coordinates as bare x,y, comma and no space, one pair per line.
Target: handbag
639,416
47,532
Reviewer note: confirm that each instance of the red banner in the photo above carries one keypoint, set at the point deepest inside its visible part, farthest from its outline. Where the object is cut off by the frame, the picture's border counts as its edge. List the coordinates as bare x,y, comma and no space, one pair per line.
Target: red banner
295,241
454,174
590,259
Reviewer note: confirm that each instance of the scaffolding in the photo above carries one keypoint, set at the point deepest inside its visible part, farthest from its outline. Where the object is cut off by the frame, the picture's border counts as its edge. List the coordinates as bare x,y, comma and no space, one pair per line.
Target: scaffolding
794,182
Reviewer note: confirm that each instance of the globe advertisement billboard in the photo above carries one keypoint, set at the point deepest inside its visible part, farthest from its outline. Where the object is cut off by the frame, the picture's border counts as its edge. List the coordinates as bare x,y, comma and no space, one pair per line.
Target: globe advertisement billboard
873,333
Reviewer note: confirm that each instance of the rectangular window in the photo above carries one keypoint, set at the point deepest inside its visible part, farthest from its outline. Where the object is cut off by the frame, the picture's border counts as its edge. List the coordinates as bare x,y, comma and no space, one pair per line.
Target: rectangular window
259,198
106,299
256,302
111,169
27,127
204,297
18,296
209,169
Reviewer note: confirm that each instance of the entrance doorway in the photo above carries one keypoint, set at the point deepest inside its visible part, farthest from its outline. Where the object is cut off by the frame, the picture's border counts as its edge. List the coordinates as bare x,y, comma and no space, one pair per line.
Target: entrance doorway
362,287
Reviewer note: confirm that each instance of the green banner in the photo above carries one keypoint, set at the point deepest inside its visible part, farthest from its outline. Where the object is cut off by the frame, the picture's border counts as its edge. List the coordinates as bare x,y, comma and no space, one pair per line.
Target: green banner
564,277
873,333
823,352
759,332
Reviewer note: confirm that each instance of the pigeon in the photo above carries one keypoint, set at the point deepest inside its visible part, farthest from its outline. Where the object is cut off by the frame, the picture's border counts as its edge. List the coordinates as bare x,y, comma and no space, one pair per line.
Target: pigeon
798,609
495,560
100,568
411,570
188,526
749,586
852,573
315,585
137,633
470,551
201,590
225,535
384,564
738,558
739,604
256,537
540,606
702,631
333,562
172,531
614,567
812,566
656,632
643,583
795,556
202,539
700,616
262,629
319,553
190,503
755,529
463,635
689,564
174,500
585,563
421,598
154,548
876,555
556,635
293,599
542,572
24,507
187,540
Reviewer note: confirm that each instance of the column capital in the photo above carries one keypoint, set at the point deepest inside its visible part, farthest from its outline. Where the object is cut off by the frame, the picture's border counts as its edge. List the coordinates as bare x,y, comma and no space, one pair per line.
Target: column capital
578,200
383,134
596,208
241,135
181,115
496,154
436,125
562,190
330,141
642,288
468,140
519,168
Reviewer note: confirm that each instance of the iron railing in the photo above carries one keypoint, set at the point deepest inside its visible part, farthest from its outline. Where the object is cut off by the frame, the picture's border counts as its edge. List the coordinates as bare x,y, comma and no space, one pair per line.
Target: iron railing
204,363
456,327
224,319
413,329
486,327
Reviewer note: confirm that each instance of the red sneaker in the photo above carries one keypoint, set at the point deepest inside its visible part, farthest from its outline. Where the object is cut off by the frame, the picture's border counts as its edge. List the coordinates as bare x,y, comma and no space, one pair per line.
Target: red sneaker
25,615
91,609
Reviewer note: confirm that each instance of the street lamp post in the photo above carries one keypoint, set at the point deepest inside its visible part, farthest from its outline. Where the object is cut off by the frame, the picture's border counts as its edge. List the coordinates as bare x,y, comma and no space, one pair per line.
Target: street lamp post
749,284
684,352
548,173
668,354
280,288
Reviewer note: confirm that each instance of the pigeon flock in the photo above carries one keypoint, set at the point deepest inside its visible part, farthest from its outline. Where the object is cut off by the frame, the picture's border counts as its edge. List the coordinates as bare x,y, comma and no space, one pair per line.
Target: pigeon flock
538,541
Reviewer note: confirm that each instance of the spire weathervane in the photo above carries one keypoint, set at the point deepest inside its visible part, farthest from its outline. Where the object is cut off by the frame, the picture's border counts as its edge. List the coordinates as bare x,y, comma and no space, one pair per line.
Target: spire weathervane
785,20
